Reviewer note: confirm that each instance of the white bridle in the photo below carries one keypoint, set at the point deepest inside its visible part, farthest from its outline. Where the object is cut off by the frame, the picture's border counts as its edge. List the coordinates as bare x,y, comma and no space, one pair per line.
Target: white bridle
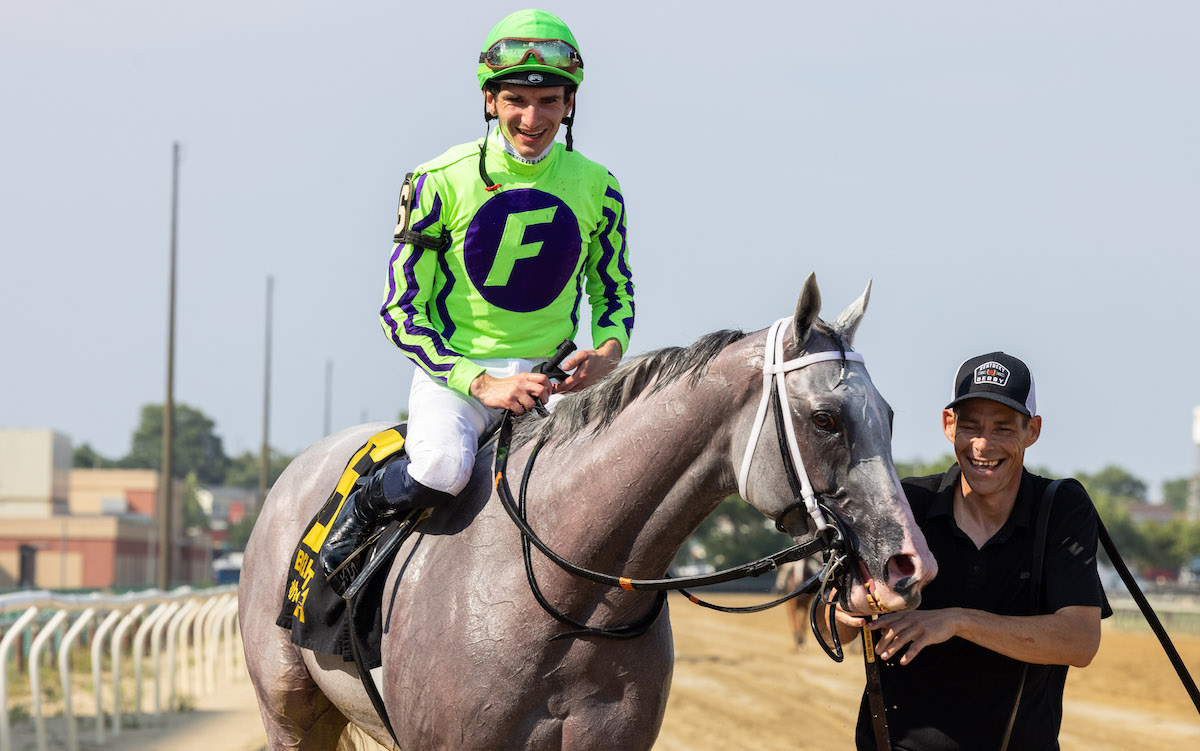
774,366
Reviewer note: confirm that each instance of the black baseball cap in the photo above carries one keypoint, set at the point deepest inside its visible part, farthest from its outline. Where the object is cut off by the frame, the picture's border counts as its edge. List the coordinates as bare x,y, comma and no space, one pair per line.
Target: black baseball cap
999,377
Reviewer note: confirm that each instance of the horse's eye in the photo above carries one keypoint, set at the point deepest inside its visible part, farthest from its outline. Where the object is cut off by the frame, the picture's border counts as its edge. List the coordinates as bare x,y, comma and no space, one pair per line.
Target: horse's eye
824,421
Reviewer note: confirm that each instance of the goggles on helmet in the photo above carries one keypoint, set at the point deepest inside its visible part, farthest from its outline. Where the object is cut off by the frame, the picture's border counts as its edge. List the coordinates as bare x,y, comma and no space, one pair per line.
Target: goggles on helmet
510,51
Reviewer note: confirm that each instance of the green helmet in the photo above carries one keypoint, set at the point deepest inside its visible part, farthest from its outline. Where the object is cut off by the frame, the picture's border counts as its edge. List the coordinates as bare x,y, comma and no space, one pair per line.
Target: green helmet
531,48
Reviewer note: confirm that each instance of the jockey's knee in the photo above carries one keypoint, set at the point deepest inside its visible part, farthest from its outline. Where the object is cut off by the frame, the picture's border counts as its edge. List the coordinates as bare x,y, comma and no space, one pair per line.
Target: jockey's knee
448,471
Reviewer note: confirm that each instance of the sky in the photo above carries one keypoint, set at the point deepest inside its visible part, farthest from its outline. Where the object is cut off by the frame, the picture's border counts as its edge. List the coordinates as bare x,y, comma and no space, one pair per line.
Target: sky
1012,176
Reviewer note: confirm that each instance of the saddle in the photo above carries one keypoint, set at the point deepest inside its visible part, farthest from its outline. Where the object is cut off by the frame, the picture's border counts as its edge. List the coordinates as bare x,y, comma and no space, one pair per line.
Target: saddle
330,622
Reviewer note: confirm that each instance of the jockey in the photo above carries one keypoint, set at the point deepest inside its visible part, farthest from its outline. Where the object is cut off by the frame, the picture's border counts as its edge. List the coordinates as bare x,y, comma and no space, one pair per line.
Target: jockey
496,242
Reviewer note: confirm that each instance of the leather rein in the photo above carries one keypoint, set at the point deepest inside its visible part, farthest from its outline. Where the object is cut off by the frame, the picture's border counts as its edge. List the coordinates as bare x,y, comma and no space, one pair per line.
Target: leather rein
829,538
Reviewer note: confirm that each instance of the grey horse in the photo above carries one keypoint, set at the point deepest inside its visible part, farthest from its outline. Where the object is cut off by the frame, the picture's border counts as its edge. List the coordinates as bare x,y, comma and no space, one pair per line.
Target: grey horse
627,470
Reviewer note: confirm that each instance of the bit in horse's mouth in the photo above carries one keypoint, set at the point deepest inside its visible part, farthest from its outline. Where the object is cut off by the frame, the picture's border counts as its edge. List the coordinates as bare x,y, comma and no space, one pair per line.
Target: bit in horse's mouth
869,583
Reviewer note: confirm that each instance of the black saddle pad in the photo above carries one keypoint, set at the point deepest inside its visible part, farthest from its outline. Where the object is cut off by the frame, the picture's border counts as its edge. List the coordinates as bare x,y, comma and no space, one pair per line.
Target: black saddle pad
316,616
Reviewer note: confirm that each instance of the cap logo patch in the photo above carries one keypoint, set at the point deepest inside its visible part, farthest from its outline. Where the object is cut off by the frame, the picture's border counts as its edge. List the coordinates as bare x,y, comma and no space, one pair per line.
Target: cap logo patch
991,372
535,78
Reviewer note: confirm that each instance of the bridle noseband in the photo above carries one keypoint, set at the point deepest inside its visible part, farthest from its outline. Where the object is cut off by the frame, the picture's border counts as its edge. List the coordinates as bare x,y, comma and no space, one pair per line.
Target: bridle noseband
775,369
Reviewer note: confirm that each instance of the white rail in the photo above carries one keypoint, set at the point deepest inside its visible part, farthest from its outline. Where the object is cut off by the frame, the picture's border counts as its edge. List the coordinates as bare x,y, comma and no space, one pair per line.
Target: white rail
97,674
35,674
5,645
64,670
118,638
204,620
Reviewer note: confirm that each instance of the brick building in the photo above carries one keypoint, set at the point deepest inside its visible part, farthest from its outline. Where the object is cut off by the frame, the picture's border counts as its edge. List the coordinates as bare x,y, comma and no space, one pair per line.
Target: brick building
84,528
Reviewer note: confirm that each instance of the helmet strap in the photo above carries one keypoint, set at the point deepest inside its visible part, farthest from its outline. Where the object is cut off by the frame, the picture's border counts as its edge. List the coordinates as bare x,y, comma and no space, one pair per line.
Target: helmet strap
487,181
569,120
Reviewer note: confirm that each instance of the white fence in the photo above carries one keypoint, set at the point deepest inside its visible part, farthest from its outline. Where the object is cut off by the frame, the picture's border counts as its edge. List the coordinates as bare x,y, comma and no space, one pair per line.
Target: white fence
176,645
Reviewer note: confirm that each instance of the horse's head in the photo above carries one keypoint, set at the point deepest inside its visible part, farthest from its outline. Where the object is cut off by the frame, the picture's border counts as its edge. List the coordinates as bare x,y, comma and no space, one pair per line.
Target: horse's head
836,432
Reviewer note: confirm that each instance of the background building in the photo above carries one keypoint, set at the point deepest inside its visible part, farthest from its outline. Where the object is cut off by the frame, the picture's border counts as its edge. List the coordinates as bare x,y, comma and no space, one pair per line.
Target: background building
63,528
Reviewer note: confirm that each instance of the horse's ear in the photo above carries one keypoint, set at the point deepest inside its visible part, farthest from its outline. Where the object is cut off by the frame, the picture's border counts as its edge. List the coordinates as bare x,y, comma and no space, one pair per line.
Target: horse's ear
807,309
847,323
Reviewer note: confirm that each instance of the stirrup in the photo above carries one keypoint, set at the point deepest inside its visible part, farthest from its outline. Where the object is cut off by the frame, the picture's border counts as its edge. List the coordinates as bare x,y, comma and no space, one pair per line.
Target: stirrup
347,571
383,552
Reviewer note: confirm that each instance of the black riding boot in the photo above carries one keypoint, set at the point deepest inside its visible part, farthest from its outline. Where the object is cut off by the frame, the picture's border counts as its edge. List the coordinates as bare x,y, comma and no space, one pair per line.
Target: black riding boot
389,493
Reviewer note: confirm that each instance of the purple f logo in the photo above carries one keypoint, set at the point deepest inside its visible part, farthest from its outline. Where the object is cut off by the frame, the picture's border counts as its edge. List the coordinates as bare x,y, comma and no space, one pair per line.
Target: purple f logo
521,249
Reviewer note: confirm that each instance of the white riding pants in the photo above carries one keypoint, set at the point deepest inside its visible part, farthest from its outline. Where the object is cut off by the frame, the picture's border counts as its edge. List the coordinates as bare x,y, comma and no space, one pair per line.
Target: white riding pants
444,427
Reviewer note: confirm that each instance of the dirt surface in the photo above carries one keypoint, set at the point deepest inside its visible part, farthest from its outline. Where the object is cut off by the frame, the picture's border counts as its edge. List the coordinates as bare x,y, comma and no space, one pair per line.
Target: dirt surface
740,684
227,720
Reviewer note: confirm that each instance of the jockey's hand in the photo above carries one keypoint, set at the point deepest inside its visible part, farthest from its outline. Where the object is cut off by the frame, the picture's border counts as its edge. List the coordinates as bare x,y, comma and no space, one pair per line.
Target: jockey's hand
589,366
517,393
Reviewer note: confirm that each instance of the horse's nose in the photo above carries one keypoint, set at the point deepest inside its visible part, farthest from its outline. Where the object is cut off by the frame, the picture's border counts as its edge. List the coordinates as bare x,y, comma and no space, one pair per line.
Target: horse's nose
905,572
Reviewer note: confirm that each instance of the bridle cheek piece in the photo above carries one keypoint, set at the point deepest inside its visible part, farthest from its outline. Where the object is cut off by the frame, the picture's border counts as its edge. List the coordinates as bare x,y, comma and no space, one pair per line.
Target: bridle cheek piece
775,370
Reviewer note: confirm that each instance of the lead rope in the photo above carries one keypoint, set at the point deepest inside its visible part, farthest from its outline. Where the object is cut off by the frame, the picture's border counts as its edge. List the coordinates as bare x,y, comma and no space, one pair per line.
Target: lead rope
875,691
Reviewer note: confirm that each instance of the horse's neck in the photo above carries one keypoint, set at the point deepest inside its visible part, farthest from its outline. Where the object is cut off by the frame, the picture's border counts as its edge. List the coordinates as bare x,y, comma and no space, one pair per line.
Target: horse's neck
630,496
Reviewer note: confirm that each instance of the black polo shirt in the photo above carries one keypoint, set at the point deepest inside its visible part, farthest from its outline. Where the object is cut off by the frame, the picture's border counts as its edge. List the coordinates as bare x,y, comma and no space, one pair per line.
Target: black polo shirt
959,695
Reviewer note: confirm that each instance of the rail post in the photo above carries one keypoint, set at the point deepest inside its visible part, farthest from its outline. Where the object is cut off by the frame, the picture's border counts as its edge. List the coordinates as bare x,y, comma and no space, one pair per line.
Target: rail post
200,644
230,642
156,655
64,669
212,644
35,674
139,650
172,636
118,637
106,625
10,636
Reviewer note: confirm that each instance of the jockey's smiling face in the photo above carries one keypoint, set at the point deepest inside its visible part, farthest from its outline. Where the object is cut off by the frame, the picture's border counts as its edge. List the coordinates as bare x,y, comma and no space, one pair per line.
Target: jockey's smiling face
529,115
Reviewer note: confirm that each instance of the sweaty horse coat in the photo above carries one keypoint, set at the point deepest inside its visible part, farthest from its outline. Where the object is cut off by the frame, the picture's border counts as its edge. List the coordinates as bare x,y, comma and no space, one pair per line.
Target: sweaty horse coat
629,469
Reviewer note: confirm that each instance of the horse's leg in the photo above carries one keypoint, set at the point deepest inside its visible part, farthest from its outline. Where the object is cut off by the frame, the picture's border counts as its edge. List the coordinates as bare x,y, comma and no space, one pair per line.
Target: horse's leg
296,713
800,618
792,607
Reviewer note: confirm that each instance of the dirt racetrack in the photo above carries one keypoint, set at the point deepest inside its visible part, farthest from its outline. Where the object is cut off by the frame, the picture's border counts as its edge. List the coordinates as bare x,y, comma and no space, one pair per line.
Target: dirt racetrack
740,685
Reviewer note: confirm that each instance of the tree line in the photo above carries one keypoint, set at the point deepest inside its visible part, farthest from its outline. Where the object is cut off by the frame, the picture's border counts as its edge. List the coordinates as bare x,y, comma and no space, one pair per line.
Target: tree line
736,533
199,451
200,461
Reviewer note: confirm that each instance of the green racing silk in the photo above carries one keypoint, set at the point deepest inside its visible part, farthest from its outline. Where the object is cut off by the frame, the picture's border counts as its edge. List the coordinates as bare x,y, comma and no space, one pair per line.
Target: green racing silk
519,260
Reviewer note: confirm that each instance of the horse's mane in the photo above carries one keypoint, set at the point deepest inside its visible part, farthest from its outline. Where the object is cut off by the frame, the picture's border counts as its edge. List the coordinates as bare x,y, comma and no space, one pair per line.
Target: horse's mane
595,408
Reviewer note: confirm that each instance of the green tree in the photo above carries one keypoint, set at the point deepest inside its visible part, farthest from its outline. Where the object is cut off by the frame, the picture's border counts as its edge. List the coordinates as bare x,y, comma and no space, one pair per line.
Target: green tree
737,533
197,448
918,468
193,512
85,457
1175,493
245,467
1114,481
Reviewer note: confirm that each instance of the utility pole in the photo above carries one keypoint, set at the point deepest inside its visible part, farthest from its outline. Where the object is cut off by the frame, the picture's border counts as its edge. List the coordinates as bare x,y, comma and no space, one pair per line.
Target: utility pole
265,456
1193,503
166,495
